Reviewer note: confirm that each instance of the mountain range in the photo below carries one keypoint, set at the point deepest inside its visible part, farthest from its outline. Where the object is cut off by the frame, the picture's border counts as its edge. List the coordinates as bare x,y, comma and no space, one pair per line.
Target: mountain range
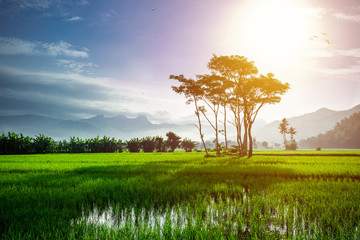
122,127
119,126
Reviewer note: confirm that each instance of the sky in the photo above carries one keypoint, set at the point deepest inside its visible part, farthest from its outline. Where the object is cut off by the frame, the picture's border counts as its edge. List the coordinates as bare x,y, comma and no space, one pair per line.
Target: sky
75,59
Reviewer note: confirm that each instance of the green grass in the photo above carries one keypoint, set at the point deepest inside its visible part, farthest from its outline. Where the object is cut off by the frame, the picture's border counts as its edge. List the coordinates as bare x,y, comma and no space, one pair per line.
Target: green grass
266,197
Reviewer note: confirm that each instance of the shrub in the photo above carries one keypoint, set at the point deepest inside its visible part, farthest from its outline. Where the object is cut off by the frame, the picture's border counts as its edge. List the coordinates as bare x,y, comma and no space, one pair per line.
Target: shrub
43,144
173,141
291,146
187,144
160,144
148,144
133,145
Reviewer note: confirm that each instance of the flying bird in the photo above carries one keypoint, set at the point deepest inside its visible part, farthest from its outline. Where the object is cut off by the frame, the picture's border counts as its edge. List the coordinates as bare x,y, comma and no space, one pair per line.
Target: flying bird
153,9
322,37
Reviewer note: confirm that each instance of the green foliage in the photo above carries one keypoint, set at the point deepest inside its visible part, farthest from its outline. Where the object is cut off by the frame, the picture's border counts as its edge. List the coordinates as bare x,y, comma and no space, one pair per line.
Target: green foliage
148,144
44,144
291,146
160,144
134,145
187,144
18,144
173,141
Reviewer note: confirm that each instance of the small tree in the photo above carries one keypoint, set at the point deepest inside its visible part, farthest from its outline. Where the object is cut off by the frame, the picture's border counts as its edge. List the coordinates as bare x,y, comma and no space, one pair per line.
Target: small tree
133,145
188,145
292,133
148,144
293,144
173,141
160,144
44,144
283,127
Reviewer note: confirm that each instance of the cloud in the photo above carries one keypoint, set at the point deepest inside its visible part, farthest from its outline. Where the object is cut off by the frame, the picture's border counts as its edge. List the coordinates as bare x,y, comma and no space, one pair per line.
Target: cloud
77,67
63,49
16,46
68,95
41,4
108,15
355,52
341,63
73,19
347,17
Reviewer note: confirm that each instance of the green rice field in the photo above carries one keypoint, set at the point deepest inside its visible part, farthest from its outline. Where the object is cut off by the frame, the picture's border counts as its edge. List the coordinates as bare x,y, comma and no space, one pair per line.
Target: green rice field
303,194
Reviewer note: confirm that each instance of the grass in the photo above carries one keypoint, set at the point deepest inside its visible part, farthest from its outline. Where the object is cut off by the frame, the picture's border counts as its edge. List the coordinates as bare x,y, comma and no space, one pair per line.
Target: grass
180,196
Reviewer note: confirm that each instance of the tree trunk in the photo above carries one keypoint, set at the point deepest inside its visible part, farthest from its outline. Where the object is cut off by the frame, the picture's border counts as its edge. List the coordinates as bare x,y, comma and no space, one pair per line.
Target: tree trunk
217,136
245,141
226,143
250,142
285,142
201,135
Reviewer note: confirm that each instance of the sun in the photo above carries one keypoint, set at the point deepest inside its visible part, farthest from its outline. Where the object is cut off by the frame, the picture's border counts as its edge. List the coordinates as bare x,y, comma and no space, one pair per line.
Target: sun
272,30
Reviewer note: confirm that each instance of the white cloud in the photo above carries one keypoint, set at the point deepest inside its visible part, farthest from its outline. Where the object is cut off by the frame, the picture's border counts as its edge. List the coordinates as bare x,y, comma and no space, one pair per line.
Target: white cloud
347,17
35,4
86,94
108,15
73,19
16,46
355,52
77,67
352,70
43,4
63,49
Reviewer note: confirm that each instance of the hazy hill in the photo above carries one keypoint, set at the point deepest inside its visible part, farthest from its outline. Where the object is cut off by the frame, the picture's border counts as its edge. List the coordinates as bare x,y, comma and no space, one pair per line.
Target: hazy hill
307,125
122,127
345,134
119,127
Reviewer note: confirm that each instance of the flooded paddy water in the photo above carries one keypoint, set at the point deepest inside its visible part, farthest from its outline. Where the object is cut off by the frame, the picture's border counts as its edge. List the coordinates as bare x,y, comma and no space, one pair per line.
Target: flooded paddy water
244,217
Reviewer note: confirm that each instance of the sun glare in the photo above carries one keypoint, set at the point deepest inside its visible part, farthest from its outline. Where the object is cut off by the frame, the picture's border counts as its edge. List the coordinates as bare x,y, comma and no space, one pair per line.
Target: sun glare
272,30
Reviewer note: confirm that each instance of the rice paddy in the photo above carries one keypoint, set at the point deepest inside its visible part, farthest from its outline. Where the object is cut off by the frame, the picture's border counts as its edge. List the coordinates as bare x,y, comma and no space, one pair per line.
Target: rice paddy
180,196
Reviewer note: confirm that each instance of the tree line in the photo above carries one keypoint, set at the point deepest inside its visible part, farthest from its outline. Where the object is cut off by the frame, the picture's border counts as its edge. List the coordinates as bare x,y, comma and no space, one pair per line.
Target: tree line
235,87
14,143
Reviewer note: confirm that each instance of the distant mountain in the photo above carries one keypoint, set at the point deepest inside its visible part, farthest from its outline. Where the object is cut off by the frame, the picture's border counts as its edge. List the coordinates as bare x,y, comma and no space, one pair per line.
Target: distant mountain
122,127
307,125
119,127
345,134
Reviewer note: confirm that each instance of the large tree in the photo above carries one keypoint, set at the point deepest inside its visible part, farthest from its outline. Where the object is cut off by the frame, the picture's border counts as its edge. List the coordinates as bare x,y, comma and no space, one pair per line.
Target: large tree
248,93
237,70
260,91
233,82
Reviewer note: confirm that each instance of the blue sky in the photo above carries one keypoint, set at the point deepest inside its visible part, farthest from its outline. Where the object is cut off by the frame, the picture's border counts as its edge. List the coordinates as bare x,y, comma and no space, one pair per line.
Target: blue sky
75,59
